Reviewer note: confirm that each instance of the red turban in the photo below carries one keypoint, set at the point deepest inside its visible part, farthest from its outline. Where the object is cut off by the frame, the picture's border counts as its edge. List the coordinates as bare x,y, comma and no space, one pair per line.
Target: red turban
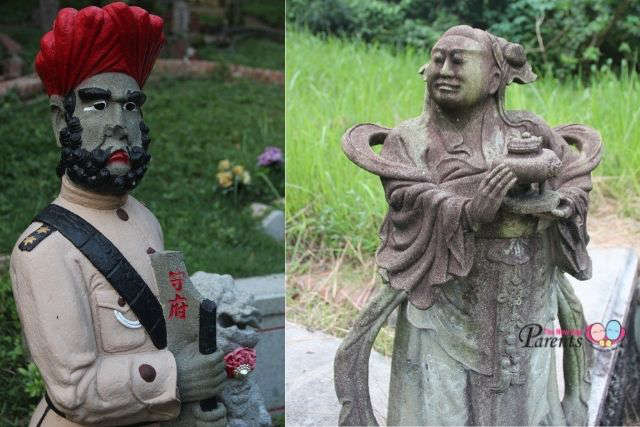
115,38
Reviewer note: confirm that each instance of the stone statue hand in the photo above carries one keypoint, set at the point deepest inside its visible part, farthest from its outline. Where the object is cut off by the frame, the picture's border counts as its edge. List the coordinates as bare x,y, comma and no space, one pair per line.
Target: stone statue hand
565,209
200,376
217,417
494,186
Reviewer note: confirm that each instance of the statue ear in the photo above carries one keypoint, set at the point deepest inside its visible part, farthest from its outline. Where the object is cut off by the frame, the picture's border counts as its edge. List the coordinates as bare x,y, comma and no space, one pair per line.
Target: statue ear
494,84
57,116
423,71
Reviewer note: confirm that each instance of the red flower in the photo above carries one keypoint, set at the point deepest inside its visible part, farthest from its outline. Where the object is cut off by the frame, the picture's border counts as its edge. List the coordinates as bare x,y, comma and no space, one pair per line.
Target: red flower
240,362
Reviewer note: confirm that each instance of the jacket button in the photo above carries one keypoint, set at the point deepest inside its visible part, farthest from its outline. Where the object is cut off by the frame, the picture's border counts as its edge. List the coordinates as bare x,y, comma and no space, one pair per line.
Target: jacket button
122,214
147,372
121,302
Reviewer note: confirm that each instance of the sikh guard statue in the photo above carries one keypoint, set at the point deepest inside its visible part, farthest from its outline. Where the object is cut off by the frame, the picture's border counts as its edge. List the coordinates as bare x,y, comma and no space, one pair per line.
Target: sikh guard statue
487,212
82,276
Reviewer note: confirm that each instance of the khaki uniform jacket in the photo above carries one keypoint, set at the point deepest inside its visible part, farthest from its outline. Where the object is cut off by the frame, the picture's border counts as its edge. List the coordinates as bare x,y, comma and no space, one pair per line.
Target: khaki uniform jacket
85,340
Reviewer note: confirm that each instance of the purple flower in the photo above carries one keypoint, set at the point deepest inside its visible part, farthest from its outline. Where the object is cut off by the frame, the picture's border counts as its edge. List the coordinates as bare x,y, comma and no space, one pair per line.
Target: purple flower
271,156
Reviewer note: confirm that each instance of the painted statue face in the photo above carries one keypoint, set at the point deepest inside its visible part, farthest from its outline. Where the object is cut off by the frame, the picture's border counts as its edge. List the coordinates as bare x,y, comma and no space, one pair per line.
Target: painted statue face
597,332
461,72
108,106
613,329
104,140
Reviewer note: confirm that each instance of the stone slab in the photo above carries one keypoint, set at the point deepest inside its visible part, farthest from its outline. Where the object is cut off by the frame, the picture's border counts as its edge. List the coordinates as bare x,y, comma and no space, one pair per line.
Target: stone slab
268,292
273,225
608,295
311,398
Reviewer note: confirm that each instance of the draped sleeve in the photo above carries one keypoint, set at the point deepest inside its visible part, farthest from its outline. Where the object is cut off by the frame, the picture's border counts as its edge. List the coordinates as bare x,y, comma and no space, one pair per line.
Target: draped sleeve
425,239
580,149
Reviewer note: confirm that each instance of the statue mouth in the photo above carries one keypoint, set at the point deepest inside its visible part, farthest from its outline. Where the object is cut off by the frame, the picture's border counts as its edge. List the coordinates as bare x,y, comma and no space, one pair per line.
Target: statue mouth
447,87
119,156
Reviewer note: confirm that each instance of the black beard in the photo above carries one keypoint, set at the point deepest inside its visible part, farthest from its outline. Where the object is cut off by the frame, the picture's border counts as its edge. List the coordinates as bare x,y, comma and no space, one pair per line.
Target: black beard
88,169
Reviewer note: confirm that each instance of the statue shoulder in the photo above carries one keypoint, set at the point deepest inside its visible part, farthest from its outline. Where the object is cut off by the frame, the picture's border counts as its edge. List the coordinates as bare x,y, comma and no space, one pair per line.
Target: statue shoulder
407,141
144,216
32,237
410,130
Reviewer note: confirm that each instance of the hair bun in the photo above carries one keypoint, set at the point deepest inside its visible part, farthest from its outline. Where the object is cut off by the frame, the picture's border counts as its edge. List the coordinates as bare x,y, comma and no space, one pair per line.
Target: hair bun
514,54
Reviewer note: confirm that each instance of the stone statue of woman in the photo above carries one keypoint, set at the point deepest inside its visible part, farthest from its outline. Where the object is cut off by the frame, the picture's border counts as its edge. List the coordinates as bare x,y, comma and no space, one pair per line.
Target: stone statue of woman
487,211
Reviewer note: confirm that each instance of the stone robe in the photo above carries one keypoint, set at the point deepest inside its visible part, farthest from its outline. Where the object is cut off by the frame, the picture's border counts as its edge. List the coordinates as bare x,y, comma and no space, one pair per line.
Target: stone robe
84,339
457,355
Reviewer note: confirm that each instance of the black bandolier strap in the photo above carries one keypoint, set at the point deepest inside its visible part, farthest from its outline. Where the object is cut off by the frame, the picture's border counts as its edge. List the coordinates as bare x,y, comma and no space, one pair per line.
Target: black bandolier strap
108,260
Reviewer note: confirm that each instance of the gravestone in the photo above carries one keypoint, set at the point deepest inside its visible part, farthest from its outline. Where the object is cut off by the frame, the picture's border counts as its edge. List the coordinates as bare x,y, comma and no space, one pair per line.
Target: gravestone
180,18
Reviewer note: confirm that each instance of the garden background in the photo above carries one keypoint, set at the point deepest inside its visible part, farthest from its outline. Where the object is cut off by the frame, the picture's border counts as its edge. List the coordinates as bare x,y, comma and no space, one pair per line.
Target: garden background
195,123
355,61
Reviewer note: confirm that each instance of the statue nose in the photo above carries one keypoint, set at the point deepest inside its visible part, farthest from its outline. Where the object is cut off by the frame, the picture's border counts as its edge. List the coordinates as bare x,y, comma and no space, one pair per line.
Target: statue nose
118,132
447,69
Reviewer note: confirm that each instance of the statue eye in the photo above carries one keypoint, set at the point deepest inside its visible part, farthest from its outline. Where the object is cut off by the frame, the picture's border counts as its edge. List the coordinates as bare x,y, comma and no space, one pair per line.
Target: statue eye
457,59
438,59
99,105
130,106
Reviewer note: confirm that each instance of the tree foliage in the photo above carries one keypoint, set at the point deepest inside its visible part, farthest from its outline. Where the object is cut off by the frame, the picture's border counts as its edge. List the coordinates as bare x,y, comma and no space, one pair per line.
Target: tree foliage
565,37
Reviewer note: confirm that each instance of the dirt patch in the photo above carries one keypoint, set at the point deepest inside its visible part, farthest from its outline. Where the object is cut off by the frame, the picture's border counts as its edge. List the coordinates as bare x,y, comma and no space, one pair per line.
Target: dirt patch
608,227
350,281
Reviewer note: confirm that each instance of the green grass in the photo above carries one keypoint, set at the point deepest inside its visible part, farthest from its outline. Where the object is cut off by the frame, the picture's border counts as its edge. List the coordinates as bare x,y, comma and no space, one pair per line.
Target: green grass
270,12
251,51
15,402
28,36
333,84
194,124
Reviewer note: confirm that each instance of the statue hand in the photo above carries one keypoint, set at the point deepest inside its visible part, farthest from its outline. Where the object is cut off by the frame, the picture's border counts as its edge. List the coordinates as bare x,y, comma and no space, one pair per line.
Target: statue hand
493,188
565,209
200,376
216,417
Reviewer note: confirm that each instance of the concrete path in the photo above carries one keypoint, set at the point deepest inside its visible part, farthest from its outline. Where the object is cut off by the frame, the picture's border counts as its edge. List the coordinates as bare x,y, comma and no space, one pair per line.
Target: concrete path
311,399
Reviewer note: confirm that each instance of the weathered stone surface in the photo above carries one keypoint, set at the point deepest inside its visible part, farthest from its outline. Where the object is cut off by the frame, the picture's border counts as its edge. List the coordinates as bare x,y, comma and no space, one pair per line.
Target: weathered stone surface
266,294
273,225
242,397
487,210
